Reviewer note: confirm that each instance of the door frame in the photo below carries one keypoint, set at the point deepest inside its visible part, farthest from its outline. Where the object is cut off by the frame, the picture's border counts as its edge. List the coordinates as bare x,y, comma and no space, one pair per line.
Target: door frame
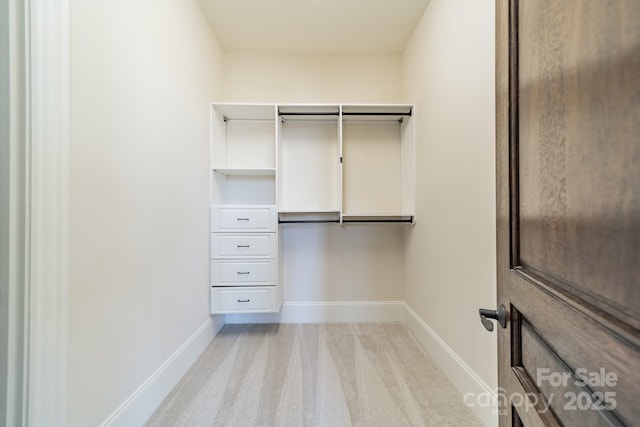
38,184
47,160
506,206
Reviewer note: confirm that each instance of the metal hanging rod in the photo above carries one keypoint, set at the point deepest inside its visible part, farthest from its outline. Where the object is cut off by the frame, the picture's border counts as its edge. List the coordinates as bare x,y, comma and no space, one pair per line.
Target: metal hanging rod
284,119
227,120
403,221
296,113
310,221
370,113
373,122
344,221
363,113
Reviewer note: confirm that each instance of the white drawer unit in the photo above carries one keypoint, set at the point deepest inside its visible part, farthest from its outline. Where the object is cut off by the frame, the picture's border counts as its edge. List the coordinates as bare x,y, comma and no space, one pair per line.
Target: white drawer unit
244,258
243,273
245,300
249,219
237,245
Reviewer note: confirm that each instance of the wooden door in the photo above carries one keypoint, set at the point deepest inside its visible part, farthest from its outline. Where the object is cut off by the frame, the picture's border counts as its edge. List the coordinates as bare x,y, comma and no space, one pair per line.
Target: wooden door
568,166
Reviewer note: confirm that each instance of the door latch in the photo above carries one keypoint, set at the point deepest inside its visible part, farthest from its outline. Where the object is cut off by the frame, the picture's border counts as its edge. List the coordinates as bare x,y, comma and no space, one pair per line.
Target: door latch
500,315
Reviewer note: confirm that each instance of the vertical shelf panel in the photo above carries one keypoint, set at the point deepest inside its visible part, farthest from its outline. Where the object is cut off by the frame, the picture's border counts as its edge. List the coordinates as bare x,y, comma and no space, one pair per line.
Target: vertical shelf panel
408,166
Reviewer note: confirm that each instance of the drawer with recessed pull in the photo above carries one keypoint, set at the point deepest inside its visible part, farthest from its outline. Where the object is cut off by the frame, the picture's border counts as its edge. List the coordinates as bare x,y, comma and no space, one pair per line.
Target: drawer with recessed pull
243,273
232,245
244,300
257,219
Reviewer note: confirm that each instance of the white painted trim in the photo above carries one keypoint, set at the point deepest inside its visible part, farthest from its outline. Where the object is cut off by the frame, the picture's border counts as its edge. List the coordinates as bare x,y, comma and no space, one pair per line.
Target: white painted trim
327,312
47,147
12,216
138,407
460,374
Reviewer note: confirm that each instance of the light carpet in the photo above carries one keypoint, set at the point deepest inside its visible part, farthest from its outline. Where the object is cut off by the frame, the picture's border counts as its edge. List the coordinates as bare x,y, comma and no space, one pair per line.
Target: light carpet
349,374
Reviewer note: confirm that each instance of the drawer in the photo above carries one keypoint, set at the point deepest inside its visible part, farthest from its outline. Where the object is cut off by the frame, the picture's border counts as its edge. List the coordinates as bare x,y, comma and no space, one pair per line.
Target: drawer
228,245
229,219
233,300
243,273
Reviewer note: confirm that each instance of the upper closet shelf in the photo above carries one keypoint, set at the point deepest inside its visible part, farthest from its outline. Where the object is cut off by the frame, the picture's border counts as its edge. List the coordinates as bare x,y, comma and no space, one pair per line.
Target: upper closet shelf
293,217
246,111
246,171
309,112
375,218
376,112
389,109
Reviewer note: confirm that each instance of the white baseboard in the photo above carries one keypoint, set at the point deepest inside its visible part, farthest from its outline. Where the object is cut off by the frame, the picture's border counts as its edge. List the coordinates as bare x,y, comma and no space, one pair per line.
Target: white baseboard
327,312
143,402
460,374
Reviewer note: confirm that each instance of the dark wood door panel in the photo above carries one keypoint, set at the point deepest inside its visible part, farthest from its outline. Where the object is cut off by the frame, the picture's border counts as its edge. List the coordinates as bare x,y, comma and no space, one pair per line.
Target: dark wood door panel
548,332
527,404
564,394
568,210
579,148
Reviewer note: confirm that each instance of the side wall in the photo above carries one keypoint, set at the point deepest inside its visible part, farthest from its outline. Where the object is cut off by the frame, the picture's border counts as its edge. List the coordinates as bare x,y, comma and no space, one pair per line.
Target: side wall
327,262
142,75
448,71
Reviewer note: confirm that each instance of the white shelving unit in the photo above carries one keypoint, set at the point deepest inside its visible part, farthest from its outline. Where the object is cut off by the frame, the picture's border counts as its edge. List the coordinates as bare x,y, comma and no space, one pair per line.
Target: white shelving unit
378,163
244,222
309,159
298,163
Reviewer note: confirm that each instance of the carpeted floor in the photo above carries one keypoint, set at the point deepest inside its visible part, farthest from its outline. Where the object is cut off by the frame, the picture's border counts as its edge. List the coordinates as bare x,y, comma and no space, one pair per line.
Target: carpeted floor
349,374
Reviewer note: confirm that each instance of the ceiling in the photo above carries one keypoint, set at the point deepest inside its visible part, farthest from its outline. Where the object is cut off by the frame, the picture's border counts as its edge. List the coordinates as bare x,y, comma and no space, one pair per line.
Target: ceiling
313,26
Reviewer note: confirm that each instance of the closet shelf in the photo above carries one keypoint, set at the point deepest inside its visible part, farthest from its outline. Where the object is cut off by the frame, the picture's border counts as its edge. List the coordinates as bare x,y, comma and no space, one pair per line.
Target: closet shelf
306,211
309,113
378,218
308,221
246,171
365,109
313,113
381,113
302,217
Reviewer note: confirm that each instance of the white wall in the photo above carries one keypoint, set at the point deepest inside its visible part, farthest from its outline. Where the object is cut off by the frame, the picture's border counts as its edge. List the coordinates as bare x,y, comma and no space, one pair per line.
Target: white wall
142,74
450,254
348,263
312,78
327,262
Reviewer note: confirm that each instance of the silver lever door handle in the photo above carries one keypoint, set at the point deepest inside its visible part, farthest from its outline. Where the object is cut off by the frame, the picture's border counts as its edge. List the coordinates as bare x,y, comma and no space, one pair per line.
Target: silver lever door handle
500,315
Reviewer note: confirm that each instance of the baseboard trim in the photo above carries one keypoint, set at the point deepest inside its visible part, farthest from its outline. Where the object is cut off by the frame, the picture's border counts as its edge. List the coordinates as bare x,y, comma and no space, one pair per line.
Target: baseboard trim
142,402
460,374
327,312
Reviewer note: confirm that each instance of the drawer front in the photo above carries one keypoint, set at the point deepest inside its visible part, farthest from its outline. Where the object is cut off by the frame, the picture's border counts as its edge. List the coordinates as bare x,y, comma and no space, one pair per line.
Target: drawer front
230,300
243,273
243,219
244,245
